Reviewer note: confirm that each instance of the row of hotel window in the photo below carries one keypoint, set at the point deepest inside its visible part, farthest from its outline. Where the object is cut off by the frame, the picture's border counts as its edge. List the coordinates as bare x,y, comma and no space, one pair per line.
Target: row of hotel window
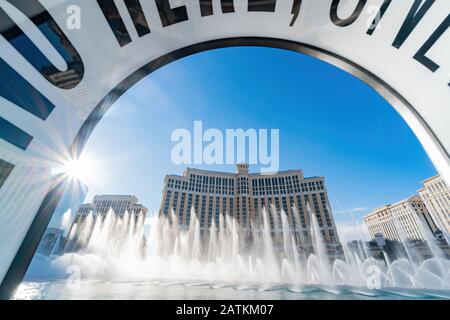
438,186
84,210
183,207
260,186
401,208
444,204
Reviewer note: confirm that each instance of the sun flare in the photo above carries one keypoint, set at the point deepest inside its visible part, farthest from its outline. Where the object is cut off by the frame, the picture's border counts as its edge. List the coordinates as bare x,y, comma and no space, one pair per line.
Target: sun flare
79,169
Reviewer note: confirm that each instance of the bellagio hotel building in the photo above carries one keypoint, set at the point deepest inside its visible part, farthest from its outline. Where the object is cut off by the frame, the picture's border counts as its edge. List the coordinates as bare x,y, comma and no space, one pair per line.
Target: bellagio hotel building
243,195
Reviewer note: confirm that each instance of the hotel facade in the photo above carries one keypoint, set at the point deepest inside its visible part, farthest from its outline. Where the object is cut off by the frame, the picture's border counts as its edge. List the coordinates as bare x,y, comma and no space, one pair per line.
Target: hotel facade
436,196
243,195
401,221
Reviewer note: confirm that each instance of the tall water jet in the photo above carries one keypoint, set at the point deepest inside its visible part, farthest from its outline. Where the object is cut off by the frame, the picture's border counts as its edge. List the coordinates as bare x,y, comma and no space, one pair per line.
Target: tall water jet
319,249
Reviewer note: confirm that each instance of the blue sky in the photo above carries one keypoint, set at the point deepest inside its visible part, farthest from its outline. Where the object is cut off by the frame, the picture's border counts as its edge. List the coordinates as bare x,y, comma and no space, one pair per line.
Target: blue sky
331,124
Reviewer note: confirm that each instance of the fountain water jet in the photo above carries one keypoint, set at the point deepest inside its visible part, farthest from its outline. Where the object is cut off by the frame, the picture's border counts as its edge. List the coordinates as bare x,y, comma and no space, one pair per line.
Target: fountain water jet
274,250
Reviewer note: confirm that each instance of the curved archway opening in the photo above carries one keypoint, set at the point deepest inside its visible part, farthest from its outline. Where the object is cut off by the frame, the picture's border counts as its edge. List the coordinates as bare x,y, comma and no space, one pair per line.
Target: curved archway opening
223,117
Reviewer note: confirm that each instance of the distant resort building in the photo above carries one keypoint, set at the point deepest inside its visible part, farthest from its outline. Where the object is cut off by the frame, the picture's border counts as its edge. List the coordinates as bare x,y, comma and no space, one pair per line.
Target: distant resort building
243,195
100,207
404,220
436,196
102,204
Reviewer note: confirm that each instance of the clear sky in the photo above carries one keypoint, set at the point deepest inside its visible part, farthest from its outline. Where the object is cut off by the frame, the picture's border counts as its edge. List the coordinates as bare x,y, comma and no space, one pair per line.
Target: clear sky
331,124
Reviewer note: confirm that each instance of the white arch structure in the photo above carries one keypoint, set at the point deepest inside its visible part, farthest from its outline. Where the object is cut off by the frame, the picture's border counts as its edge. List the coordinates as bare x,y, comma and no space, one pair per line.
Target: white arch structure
63,63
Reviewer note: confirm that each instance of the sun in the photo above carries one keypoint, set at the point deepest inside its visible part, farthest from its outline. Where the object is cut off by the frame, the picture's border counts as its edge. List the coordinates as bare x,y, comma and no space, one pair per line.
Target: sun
79,169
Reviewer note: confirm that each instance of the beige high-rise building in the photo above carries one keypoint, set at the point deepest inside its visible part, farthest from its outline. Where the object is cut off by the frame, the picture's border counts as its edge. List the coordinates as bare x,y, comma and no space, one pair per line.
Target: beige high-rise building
401,220
102,204
436,196
243,195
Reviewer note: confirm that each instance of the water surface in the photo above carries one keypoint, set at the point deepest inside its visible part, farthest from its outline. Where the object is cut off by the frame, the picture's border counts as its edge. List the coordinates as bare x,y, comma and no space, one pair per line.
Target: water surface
191,290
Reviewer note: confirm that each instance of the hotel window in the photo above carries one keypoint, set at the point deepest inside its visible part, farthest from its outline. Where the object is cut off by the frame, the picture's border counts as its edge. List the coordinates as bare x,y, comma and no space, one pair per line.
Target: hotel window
210,208
278,208
166,204
301,212
203,212
269,211
175,201
224,205
256,210
244,210
197,203
188,208
217,214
